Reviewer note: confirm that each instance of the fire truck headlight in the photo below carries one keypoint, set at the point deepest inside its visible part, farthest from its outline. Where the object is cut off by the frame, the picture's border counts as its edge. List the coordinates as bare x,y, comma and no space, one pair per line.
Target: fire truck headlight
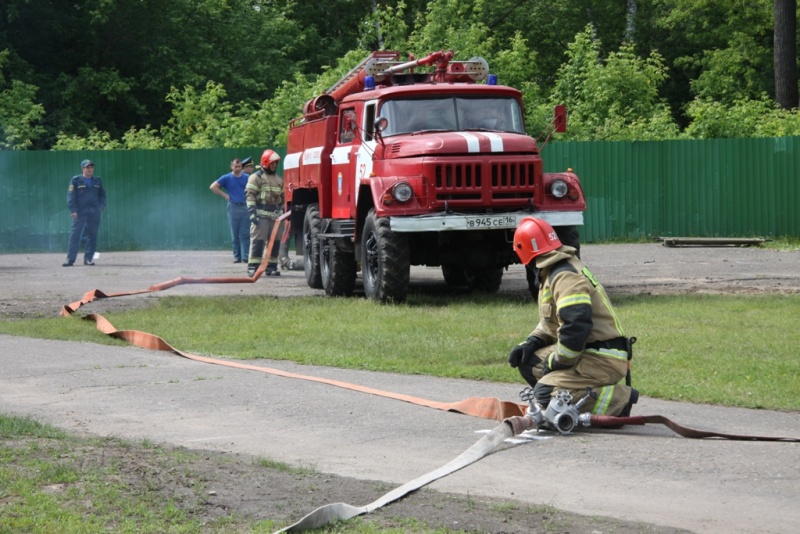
402,192
559,188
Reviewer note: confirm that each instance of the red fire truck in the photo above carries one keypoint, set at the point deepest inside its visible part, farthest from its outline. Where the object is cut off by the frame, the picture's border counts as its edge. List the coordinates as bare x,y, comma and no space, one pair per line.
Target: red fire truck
393,167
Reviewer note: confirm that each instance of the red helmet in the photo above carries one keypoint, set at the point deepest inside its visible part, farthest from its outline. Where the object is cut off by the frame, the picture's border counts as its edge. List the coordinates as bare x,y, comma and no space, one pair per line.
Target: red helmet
268,157
534,237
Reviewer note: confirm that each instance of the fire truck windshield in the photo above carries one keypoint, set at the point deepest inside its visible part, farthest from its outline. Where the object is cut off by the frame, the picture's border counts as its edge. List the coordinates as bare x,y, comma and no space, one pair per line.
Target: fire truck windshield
451,114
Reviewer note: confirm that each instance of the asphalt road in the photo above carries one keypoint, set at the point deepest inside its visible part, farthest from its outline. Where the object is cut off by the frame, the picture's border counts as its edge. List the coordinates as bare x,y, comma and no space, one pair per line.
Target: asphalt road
645,473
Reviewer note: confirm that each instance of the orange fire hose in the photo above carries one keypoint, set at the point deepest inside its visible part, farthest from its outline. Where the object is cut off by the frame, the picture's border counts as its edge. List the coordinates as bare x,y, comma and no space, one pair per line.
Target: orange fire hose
90,296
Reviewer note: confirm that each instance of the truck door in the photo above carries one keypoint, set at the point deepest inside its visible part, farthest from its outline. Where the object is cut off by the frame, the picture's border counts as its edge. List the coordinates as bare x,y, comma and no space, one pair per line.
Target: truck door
362,164
342,165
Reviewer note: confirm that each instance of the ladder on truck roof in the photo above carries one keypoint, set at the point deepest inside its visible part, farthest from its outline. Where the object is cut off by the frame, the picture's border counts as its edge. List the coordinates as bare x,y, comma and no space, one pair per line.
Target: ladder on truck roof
380,61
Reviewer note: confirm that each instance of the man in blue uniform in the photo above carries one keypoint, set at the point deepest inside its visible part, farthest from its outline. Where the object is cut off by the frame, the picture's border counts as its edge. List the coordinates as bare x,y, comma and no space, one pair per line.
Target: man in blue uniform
231,187
86,200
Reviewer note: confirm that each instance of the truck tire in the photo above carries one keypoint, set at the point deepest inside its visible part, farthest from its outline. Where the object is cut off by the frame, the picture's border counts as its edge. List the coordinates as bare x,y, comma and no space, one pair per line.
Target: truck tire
385,261
311,228
337,270
486,282
454,275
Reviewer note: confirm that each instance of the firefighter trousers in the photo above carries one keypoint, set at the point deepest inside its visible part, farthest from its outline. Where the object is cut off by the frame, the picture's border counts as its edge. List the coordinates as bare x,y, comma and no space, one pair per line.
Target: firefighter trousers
259,237
604,374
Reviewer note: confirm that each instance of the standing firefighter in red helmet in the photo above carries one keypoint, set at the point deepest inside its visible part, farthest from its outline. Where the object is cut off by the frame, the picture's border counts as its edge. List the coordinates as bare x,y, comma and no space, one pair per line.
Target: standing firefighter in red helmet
264,194
579,342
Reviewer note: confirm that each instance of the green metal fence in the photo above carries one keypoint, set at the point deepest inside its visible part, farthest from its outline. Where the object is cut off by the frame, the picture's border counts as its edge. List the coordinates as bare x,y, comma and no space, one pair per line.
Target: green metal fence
156,199
698,188
159,199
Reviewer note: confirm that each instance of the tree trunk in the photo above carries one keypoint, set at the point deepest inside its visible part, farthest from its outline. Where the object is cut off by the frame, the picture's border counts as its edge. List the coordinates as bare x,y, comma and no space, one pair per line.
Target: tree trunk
785,54
630,25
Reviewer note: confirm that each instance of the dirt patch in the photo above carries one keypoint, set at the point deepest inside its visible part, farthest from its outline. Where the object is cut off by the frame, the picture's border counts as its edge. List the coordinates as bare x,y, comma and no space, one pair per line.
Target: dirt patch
209,486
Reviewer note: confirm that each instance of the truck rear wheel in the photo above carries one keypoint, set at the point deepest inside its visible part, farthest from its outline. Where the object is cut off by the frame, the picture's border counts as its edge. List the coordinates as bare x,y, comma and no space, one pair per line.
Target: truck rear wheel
311,228
485,281
385,261
337,270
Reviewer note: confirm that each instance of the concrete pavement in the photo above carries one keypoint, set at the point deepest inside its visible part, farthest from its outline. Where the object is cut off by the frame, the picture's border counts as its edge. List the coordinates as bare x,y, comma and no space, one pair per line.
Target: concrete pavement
637,473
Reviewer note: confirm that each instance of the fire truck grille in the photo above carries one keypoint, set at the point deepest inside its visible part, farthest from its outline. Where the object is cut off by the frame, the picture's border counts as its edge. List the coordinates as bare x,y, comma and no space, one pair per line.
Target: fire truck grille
495,183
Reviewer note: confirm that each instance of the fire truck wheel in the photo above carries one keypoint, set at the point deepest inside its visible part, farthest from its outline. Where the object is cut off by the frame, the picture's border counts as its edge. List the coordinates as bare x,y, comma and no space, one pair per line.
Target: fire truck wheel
337,269
311,228
385,261
486,282
454,275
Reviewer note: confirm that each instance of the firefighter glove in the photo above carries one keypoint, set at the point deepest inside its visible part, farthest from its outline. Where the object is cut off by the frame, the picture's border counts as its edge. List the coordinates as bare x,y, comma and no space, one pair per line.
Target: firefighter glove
552,364
524,352
253,216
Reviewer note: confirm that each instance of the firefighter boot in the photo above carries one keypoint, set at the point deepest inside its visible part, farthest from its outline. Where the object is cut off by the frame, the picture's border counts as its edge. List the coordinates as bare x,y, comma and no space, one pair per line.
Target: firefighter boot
272,269
251,269
626,411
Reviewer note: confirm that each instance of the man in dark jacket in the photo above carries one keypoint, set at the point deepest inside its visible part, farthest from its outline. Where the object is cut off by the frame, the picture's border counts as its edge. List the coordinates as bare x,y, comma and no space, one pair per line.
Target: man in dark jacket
86,200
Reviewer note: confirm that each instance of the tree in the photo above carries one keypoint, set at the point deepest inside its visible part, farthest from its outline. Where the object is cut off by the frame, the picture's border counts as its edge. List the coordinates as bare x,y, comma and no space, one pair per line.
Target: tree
613,99
20,114
785,54
717,49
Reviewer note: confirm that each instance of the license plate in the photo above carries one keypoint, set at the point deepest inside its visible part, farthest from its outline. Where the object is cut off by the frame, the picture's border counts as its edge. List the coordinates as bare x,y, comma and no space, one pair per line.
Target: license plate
493,221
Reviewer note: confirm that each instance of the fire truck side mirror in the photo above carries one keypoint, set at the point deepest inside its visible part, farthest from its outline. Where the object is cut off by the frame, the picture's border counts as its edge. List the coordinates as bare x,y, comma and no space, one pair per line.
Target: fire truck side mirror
381,123
560,118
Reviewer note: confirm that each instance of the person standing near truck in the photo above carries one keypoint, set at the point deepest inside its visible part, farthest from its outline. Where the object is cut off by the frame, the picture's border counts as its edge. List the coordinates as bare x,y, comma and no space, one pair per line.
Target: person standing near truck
86,200
579,342
264,193
231,187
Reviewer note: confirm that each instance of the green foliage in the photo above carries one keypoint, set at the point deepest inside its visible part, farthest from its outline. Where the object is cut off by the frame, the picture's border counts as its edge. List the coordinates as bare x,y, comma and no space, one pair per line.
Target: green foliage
743,118
452,25
199,120
94,140
616,99
731,74
386,26
230,73
20,114
717,49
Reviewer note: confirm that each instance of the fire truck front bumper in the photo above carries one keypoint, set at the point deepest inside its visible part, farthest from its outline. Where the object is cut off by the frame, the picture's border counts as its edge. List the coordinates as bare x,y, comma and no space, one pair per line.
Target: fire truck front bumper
492,221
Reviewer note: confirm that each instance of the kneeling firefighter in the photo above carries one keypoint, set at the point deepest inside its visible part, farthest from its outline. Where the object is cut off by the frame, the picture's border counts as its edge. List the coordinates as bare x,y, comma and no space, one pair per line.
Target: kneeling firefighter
264,195
579,342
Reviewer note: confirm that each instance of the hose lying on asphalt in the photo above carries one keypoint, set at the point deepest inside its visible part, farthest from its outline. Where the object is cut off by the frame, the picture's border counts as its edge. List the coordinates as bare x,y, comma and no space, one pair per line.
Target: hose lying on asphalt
485,407
90,296
342,511
510,427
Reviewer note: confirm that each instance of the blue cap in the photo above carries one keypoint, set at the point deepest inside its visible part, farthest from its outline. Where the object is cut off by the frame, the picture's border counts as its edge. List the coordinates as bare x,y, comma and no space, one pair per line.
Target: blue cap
85,163
247,161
